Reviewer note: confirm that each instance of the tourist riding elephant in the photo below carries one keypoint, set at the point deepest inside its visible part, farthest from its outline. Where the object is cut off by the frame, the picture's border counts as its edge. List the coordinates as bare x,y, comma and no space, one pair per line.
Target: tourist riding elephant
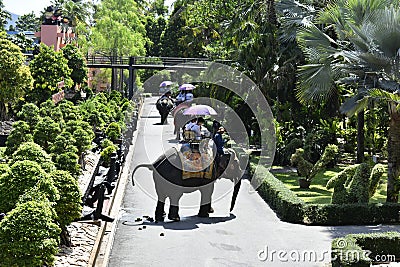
171,180
164,105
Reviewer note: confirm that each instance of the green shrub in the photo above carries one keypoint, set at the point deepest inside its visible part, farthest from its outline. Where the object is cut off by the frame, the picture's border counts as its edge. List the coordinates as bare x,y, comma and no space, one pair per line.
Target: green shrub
22,177
68,207
68,161
355,184
28,235
376,174
351,214
106,143
339,195
46,132
106,154
30,114
290,208
113,131
303,166
357,244
33,152
359,186
329,155
21,133
284,201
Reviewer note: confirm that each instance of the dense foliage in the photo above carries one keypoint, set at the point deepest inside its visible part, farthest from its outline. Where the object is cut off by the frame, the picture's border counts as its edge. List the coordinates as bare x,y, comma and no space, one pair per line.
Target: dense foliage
15,76
49,69
29,236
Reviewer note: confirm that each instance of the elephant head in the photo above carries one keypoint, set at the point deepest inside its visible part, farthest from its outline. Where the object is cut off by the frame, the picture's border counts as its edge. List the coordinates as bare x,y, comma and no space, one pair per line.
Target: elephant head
229,167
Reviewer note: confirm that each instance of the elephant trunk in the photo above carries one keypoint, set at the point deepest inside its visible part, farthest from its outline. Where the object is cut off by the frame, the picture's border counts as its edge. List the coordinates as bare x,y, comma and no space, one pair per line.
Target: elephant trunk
146,165
235,193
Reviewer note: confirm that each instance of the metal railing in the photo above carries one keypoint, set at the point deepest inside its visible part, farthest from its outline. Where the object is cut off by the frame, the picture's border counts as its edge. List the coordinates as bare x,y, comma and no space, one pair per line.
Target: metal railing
146,61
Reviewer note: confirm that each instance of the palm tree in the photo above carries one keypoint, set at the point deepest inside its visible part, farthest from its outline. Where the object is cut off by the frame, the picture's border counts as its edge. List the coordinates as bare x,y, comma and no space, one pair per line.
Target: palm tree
365,54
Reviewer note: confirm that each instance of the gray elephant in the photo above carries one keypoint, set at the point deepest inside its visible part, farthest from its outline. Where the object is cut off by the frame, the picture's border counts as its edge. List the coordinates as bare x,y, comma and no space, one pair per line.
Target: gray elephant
164,105
170,182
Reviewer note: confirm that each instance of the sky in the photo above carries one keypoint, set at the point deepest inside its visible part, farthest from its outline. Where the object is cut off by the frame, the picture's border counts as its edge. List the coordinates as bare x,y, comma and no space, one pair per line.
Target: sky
22,7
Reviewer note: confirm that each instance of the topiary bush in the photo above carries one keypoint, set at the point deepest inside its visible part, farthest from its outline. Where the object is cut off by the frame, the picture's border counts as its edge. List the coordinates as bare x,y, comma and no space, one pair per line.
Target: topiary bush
68,161
68,207
303,166
21,133
355,184
29,113
358,191
33,152
376,174
339,195
22,177
351,249
46,132
28,235
105,154
113,131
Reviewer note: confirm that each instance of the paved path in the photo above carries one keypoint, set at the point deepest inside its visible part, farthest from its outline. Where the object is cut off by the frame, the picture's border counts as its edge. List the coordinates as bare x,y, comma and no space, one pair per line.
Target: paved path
243,238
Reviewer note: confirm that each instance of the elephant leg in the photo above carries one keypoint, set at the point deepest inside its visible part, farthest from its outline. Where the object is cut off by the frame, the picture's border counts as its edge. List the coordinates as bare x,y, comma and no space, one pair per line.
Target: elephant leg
173,213
205,205
160,213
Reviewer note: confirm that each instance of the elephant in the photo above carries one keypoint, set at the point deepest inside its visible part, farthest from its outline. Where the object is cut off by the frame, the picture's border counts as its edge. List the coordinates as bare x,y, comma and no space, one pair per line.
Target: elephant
164,105
168,177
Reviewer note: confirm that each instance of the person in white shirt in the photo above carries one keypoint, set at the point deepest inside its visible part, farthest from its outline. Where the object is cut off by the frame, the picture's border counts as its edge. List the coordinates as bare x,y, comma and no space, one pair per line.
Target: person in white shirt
197,128
190,124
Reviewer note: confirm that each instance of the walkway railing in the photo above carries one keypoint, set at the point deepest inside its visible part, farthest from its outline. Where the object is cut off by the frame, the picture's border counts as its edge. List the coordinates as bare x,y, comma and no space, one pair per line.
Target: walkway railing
148,62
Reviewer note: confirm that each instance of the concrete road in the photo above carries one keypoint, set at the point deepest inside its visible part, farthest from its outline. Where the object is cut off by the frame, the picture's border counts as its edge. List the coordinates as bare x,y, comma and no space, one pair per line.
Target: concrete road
251,235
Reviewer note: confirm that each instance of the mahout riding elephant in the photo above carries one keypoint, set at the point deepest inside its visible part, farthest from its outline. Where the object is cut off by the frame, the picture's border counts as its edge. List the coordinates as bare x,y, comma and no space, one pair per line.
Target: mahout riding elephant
168,175
179,119
164,105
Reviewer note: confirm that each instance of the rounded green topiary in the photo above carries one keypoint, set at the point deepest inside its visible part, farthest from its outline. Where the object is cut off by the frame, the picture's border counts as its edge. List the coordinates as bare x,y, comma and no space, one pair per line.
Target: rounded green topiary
32,151
106,154
113,131
22,177
28,235
68,207
21,133
68,161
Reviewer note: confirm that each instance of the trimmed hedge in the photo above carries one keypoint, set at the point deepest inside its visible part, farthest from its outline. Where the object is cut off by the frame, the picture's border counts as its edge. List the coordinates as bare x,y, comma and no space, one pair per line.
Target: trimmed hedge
287,205
28,235
364,249
291,208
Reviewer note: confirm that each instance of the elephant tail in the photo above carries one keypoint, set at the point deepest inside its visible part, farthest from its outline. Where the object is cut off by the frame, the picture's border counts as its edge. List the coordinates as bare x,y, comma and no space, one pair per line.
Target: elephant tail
146,165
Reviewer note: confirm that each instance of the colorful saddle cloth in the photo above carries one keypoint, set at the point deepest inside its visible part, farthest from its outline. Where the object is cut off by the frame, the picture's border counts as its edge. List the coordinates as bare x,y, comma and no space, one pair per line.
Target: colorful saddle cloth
196,162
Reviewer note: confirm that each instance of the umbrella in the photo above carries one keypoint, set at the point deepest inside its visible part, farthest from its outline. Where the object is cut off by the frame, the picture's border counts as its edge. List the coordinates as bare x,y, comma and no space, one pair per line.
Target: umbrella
165,83
200,110
180,107
186,87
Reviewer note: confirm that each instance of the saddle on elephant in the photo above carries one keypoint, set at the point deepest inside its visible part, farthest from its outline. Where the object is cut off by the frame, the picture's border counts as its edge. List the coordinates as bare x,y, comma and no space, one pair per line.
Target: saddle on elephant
197,160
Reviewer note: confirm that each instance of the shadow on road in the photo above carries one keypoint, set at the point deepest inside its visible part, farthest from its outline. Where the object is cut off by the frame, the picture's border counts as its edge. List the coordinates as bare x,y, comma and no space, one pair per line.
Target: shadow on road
186,223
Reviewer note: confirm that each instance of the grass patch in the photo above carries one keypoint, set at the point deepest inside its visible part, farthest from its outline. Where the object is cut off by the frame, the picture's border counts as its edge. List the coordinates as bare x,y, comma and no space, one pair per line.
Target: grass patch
318,194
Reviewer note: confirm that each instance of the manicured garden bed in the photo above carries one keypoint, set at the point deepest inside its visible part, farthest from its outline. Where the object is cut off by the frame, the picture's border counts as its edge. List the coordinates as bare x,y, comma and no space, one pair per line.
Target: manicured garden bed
290,207
318,193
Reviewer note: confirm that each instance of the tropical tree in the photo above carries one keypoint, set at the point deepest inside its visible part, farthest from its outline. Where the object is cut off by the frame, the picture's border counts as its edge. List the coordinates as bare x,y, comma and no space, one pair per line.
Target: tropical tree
28,22
15,77
365,55
118,31
77,63
4,15
49,69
